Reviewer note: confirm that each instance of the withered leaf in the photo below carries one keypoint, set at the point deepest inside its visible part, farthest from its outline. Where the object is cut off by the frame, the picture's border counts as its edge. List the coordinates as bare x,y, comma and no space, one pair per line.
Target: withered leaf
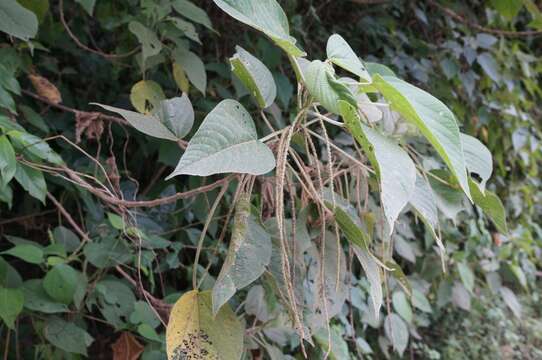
45,88
126,347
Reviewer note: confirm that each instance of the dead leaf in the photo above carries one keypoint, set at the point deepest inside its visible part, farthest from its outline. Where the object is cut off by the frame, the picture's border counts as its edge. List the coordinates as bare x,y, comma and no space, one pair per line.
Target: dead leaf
126,348
89,123
113,172
45,88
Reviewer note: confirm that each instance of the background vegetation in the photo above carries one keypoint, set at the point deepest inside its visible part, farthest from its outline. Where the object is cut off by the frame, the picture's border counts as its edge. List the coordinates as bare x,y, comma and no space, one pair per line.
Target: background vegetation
84,271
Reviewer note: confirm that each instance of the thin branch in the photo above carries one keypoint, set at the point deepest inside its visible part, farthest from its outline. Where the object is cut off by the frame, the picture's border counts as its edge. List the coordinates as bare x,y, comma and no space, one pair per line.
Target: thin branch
478,27
83,46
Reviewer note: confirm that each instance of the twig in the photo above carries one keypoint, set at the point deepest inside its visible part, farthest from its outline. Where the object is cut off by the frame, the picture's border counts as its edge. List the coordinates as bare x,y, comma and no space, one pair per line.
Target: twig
115,119
83,46
149,203
68,217
478,27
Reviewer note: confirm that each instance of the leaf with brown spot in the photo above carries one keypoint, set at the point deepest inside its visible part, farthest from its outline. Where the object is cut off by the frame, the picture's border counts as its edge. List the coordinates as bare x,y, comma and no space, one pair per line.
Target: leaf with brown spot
126,347
45,88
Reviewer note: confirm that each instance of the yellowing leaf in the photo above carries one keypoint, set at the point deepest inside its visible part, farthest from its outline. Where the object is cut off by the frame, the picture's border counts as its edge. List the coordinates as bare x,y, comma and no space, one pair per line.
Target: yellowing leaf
193,333
146,96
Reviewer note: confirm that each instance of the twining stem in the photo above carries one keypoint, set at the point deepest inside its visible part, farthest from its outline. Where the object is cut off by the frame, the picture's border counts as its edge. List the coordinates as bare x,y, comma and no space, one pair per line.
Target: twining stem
203,233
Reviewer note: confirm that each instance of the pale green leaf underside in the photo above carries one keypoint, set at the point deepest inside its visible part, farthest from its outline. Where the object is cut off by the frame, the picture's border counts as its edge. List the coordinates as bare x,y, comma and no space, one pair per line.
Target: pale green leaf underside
373,275
147,124
248,255
395,168
341,54
16,20
322,85
266,16
226,142
436,122
255,76
177,114
397,332
478,158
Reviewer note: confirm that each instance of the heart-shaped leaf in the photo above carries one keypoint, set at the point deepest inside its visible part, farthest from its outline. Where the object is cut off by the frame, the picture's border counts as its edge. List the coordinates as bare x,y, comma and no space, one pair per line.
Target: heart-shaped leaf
436,122
193,330
266,16
341,54
177,114
248,255
255,76
226,142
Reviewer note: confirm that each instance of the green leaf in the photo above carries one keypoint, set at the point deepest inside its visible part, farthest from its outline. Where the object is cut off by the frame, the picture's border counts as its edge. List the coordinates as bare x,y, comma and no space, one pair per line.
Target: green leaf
466,275
255,76
60,283
394,167
36,299
88,5
27,252
11,305
420,302
193,330
150,43
66,238
177,114
447,193
248,255
338,346
192,13
491,205
8,80
26,142
147,124
424,202
107,252
511,300
322,85
347,219
32,181
399,276
376,68
144,314
508,8
67,336
188,29
341,54
193,67
397,332
38,7
478,158
402,306
17,21
226,142
266,16
6,194
436,122
6,101
8,162
372,272
146,96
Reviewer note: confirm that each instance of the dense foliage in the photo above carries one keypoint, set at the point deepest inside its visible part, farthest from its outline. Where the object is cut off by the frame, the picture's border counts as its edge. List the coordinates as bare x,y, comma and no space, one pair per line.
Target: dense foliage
173,183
